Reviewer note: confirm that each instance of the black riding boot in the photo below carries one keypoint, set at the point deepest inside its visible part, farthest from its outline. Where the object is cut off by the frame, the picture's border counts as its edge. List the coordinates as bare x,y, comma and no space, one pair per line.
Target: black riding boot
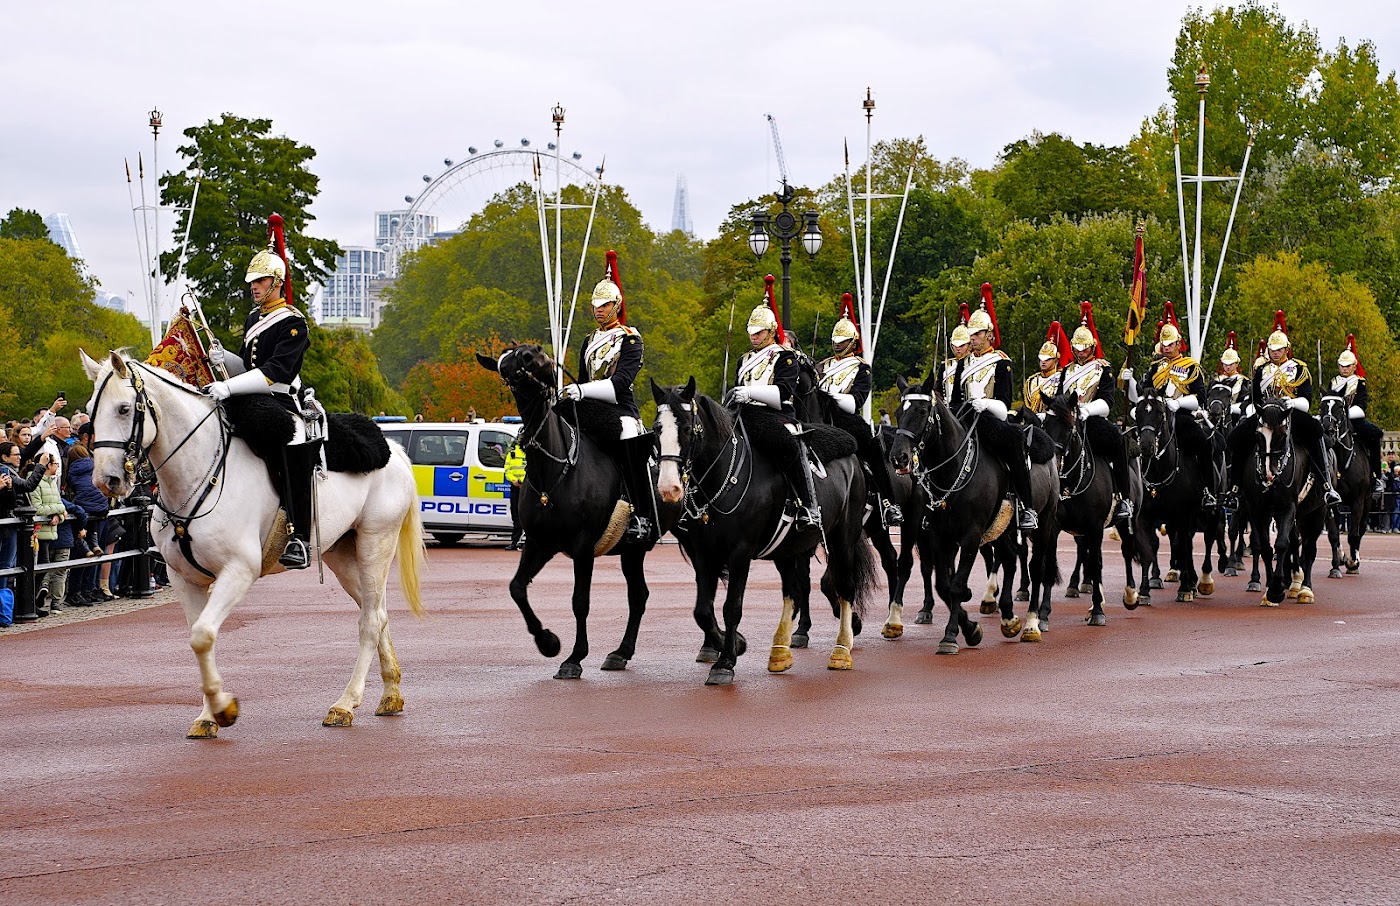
1373,453
1021,497
1323,471
874,459
298,464
1205,465
637,481
799,475
1123,515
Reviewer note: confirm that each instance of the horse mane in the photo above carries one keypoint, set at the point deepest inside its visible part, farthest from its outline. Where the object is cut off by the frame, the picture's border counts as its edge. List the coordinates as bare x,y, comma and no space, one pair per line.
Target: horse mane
1065,405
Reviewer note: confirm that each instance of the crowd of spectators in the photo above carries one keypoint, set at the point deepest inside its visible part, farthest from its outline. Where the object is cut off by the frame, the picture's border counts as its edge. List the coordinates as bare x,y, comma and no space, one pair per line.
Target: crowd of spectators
46,464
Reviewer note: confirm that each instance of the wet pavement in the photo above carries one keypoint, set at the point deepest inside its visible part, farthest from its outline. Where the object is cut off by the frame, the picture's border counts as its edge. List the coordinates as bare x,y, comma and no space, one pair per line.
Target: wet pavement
1214,752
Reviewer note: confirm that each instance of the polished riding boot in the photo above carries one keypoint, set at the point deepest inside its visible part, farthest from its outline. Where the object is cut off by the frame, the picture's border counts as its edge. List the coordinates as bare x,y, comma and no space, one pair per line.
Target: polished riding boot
636,479
1124,513
1205,465
1021,498
298,465
873,459
1324,472
809,514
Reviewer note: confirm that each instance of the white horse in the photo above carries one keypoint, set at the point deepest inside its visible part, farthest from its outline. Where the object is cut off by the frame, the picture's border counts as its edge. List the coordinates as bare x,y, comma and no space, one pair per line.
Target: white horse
215,492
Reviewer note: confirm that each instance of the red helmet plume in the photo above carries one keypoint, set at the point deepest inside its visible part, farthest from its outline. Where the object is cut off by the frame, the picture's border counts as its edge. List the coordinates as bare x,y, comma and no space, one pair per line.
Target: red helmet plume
279,245
768,281
1057,336
1169,315
1086,320
1351,347
964,313
1280,322
848,307
991,313
612,275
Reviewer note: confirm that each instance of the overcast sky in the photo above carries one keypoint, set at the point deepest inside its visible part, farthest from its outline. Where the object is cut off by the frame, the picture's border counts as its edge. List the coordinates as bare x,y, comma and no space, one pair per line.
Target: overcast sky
384,92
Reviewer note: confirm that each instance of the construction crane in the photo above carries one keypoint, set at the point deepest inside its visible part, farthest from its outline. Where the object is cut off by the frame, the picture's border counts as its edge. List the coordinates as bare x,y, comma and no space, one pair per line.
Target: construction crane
778,148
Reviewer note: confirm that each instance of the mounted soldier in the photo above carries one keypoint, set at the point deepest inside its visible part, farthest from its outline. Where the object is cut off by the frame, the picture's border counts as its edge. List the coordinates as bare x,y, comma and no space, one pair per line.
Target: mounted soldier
275,340
1091,378
1229,375
1350,384
982,383
1054,354
608,363
1178,380
1282,378
960,343
845,378
767,380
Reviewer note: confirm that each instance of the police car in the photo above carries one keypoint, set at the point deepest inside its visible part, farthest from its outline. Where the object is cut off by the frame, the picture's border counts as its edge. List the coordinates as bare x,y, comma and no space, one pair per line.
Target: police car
460,471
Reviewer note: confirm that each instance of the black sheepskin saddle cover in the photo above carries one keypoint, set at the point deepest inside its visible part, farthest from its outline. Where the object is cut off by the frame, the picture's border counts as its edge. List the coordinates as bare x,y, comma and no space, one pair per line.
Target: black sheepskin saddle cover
767,430
354,442
1039,445
1103,437
1000,435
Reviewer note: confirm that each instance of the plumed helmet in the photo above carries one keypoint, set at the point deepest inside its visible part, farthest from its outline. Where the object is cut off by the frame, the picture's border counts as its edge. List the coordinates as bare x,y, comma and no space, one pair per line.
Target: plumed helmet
609,289
1048,350
845,327
266,264
1346,358
1349,357
1083,338
1169,334
961,336
979,321
765,316
1279,338
1230,357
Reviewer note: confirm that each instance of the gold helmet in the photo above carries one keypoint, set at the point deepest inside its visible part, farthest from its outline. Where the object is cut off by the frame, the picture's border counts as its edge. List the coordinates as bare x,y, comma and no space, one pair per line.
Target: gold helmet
1083,338
1279,338
1346,358
979,321
1169,334
1230,357
961,336
266,264
762,319
1049,350
845,328
609,289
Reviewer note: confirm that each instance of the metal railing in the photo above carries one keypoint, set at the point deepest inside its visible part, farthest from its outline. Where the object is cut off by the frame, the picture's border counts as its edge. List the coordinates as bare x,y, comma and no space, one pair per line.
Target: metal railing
28,571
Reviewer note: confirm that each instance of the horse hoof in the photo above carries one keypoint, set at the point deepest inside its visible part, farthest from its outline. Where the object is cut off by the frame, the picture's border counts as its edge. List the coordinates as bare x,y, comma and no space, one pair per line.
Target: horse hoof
1044,624
741,644
1292,592
947,647
1173,575
548,643
987,607
923,618
1185,597
1353,570
855,624
1130,598
614,662
228,714
1022,597
1030,635
1206,587
1306,596
390,703
1230,571
892,630
1086,587
1265,602
337,717
1096,619
799,640
779,660
707,655
1012,627
1072,591
720,676
1154,583
1254,586
203,729
973,635
840,659
568,670
1334,573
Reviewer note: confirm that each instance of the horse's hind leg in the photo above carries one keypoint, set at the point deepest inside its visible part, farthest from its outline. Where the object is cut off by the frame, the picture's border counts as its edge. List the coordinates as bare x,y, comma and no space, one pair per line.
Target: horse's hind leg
223,595
1335,539
362,566
637,594
193,599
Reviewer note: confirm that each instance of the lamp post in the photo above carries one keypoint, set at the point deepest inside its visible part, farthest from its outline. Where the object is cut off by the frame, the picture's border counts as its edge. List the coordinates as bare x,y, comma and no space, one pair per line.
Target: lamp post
785,227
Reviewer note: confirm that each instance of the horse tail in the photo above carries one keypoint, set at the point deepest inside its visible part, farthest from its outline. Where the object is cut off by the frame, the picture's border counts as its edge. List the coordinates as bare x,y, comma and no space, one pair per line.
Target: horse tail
412,552
865,575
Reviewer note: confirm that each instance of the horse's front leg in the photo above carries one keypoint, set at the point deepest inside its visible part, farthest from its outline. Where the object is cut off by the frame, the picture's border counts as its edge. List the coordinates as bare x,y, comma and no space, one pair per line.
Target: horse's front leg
1309,556
706,583
637,594
572,666
958,594
928,557
1183,559
797,584
1205,585
1334,538
990,554
532,559
1093,573
722,673
193,599
233,583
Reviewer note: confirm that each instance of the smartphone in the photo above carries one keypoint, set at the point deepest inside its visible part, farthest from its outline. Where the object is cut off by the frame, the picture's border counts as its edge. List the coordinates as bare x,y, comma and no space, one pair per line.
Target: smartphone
62,395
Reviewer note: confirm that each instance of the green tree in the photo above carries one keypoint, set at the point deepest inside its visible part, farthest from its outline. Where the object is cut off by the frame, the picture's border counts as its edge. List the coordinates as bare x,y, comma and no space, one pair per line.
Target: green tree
44,288
345,373
1045,175
248,174
23,224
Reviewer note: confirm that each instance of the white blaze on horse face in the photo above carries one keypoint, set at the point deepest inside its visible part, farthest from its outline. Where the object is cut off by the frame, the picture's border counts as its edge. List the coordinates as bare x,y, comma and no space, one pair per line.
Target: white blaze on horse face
668,482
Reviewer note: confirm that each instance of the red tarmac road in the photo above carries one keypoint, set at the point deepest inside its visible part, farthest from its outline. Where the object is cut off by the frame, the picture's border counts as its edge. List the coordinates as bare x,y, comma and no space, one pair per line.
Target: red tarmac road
1206,753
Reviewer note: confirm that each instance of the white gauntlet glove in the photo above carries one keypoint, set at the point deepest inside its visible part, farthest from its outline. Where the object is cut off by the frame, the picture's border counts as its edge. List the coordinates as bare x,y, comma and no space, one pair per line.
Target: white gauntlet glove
249,382
1173,404
572,392
845,402
1096,407
219,358
1298,403
767,394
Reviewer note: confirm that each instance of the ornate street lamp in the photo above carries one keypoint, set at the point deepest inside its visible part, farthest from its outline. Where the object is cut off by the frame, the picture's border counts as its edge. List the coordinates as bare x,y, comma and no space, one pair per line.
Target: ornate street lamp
785,227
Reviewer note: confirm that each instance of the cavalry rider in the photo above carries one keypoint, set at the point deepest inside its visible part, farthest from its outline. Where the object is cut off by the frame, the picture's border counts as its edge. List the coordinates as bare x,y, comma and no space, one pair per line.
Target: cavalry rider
845,377
1350,385
1090,378
960,342
1282,377
1178,380
768,377
1045,380
275,340
983,381
610,359
1230,375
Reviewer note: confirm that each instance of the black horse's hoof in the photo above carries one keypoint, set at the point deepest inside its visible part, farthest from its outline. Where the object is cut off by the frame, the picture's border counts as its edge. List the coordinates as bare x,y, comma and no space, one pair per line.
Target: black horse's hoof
741,644
799,640
923,618
1155,582
855,624
1045,623
1254,586
614,661
548,643
1334,573
720,676
1071,591
987,607
1096,619
569,670
1022,597
707,655
973,635
1230,571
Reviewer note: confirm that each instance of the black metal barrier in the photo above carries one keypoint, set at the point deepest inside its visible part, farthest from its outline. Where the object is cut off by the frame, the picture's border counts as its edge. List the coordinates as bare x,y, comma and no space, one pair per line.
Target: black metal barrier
27,570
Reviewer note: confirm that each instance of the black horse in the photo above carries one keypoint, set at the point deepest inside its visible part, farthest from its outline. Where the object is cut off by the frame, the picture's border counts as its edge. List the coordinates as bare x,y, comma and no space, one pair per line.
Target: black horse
570,504
1172,495
1231,544
966,506
1278,486
735,511
1354,481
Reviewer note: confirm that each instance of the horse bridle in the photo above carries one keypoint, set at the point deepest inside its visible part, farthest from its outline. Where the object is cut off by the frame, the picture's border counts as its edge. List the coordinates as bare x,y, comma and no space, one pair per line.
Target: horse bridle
1166,441
939,496
1084,463
570,459
684,465
1286,456
1334,401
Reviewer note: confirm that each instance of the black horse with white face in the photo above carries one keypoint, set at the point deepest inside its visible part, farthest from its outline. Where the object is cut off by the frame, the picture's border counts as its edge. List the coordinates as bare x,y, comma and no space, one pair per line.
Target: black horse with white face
570,505
735,512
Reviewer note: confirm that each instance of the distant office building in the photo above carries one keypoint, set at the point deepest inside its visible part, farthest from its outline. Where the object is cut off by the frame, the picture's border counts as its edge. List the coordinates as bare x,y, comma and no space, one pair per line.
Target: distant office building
61,231
114,301
680,213
350,296
417,232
